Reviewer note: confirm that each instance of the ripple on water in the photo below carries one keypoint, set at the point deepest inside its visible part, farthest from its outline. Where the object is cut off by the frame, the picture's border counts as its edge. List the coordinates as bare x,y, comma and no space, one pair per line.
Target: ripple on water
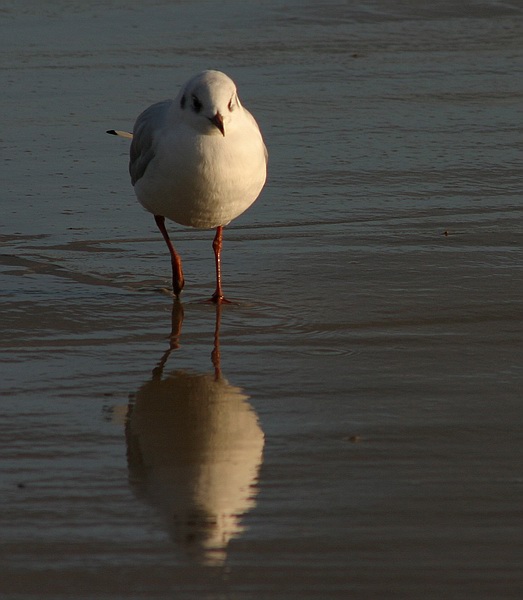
280,325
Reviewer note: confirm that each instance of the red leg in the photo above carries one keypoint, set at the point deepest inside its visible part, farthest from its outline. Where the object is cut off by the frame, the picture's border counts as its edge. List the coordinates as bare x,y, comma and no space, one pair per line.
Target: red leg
218,297
215,356
176,262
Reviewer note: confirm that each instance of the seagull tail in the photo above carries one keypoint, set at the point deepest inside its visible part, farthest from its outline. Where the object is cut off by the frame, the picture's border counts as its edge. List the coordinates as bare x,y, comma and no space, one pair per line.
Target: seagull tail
124,134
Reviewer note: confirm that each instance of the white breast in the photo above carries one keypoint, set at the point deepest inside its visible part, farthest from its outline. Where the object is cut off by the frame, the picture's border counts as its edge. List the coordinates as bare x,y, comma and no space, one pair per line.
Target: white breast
203,180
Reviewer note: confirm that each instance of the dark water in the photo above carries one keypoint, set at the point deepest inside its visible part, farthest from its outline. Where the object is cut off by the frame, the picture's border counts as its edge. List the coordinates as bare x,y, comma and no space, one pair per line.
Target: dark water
352,427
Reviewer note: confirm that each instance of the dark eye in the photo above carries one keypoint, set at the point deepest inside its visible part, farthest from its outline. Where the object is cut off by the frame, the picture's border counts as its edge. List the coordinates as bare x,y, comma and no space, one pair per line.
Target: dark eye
196,104
231,104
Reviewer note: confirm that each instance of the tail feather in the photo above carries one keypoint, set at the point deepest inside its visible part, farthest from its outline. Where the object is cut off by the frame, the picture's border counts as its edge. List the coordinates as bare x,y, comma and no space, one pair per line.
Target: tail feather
124,134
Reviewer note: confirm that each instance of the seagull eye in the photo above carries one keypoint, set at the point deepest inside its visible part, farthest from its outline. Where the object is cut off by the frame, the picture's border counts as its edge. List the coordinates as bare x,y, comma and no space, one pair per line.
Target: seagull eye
230,106
196,104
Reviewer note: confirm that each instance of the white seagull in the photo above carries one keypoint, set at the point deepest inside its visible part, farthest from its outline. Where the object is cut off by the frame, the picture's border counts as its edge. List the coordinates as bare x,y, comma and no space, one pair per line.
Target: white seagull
198,160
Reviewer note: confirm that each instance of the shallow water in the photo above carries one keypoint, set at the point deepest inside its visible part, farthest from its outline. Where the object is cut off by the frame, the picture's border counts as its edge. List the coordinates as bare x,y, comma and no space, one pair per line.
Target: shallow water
352,425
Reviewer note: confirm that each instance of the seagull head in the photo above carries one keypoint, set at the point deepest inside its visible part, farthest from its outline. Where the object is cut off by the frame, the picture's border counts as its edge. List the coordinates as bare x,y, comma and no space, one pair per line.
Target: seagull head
208,102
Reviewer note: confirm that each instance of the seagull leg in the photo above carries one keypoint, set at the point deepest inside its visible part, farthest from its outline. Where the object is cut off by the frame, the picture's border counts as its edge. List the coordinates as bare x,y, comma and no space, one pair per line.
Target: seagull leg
215,355
176,261
218,297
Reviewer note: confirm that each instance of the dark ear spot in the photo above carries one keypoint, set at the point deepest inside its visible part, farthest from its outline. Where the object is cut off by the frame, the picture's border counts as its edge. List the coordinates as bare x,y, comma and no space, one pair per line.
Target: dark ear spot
182,102
196,104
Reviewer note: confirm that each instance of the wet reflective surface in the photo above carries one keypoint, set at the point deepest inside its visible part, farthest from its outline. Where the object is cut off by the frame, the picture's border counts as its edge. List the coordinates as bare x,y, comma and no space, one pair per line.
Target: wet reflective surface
351,426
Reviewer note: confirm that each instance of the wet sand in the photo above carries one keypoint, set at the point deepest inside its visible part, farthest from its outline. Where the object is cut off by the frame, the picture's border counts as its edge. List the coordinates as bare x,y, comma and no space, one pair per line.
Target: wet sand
351,427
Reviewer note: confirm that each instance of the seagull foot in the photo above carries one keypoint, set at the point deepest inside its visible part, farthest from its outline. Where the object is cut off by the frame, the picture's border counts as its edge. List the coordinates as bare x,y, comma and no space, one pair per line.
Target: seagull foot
219,299
178,284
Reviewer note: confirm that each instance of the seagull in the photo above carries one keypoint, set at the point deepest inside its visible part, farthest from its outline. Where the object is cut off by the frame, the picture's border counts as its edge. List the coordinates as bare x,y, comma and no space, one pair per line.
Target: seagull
198,160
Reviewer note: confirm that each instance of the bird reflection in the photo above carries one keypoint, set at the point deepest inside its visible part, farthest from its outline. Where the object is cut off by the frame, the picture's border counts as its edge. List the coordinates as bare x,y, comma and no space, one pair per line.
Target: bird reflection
194,449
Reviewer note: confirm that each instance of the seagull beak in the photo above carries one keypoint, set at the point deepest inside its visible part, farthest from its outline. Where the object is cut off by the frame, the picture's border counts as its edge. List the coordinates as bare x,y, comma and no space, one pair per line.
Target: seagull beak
217,120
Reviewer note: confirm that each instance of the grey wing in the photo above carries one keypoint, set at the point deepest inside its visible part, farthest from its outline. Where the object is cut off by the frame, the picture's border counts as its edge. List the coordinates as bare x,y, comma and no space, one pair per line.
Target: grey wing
143,145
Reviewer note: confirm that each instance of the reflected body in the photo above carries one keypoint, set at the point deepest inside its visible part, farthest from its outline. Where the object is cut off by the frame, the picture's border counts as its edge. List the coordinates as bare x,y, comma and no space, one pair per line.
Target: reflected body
194,450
